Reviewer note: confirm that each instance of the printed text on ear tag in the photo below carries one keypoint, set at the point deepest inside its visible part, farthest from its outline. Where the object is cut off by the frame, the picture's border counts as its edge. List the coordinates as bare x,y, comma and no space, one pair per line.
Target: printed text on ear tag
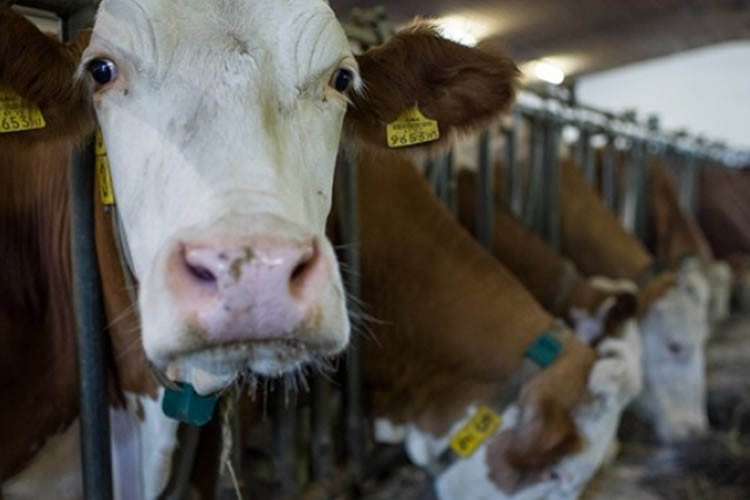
411,128
482,425
106,193
17,114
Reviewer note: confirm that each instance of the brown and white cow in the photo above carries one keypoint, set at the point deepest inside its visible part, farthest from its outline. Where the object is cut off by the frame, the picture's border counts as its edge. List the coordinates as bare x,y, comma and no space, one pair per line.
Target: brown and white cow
672,306
451,327
222,121
553,280
676,239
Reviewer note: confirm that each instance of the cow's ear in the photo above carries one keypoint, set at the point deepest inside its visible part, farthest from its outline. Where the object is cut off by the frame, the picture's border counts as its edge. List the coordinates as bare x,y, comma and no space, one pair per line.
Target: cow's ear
460,88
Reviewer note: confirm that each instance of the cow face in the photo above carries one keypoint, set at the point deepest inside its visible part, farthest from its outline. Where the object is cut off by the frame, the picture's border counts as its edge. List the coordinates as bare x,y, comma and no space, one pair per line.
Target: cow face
675,330
222,122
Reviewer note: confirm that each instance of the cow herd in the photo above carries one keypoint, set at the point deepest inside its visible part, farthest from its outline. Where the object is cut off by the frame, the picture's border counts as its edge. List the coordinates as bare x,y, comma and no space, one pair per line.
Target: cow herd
504,371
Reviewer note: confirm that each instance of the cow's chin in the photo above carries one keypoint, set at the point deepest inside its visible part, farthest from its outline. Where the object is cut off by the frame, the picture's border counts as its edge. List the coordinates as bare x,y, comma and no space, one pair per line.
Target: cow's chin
213,369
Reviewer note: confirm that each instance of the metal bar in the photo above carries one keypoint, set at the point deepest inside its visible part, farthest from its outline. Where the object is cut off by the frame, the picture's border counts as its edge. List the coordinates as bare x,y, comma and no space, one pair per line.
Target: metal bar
536,159
608,175
321,443
512,173
449,182
485,187
96,455
354,404
588,156
687,183
550,212
284,445
631,196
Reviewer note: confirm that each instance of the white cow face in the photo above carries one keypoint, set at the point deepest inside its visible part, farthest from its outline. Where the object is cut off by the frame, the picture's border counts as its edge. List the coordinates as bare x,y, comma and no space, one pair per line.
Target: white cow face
675,330
222,121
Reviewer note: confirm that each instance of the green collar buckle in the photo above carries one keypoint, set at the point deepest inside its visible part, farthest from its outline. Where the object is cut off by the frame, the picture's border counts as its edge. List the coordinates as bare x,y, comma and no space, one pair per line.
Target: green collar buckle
188,406
545,349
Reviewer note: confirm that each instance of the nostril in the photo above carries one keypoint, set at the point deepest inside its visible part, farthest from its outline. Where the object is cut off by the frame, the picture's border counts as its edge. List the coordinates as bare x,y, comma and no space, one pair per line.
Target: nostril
304,268
674,348
200,273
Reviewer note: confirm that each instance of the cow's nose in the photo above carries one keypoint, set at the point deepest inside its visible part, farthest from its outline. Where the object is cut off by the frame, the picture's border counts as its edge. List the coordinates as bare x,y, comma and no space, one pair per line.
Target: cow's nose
262,288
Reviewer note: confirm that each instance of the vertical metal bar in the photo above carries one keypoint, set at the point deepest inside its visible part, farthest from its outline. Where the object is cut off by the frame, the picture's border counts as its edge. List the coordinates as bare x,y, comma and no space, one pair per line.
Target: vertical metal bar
284,445
96,455
90,324
608,175
449,182
687,183
354,404
536,161
631,196
588,156
321,444
485,187
550,213
512,173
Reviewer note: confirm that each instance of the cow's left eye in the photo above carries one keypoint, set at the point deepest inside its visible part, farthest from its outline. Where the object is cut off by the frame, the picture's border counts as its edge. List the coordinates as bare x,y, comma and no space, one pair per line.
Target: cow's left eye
342,80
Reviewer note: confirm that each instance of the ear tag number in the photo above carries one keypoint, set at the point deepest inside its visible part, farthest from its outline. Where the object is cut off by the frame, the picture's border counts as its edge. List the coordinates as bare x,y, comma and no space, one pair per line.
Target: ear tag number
106,193
411,128
482,425
17,114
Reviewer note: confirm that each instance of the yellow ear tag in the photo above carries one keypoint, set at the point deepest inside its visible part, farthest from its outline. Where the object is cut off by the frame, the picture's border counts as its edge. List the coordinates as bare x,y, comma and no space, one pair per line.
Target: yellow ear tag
17,114
106,193
482,425
411,128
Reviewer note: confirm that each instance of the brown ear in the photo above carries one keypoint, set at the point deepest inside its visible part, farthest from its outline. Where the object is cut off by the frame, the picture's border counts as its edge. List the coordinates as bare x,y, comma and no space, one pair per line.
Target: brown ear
460,87
625,307
42,70
542,437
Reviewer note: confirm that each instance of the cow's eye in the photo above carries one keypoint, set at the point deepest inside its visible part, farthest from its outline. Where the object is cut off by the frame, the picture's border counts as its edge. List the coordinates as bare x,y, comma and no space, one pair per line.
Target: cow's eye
342,80
103,71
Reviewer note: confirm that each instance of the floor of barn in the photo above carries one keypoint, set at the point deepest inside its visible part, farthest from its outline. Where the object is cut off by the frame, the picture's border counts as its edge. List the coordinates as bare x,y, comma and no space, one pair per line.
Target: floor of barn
715,467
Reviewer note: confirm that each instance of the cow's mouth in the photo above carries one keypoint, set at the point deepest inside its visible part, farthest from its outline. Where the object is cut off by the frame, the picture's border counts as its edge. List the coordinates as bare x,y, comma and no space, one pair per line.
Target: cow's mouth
215,368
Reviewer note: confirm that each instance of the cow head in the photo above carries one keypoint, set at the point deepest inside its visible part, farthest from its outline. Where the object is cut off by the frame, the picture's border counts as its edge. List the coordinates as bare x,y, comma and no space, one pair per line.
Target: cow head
675,329
222,122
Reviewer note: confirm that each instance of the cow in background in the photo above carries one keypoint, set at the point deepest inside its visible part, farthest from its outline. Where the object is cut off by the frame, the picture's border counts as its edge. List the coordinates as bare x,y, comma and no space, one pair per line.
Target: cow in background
451,326
222,128
675,238
672,306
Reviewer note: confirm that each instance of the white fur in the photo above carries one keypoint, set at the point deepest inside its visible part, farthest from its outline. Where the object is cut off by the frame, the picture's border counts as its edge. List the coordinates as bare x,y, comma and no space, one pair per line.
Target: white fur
613,383
221,112
54,473
141,458
674,394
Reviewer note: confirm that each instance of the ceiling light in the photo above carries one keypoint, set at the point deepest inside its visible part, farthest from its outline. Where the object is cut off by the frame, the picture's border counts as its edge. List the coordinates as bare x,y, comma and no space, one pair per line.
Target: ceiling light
460,30
548,72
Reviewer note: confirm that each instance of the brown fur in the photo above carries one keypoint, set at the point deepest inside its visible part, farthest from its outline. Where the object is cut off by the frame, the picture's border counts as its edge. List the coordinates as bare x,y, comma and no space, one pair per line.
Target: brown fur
533,262
674,233
594,239
42,70
453,323
462,88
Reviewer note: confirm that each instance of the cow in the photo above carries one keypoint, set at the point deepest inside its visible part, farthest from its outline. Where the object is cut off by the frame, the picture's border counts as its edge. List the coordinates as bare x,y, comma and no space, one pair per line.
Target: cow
553,280
675,238
450,328
672,306
222,122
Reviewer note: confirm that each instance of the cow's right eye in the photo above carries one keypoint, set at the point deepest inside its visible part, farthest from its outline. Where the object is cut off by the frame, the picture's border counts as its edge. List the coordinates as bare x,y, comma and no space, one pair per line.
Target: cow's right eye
103,71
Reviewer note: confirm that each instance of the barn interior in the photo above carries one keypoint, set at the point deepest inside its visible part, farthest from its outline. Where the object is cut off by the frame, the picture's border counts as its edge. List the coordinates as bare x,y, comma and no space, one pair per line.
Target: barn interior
609,86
